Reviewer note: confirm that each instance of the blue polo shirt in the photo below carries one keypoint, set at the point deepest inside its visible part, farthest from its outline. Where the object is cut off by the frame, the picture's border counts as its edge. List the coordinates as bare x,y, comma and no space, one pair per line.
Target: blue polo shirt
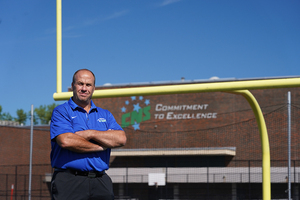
70,118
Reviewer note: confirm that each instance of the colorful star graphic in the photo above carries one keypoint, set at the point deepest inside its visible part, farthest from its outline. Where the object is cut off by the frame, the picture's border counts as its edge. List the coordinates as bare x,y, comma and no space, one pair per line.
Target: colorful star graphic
136,126
147,102
136,107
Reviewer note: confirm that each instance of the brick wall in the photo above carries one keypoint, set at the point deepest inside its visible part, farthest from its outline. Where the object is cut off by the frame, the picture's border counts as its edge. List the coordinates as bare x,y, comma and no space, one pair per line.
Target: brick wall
15,146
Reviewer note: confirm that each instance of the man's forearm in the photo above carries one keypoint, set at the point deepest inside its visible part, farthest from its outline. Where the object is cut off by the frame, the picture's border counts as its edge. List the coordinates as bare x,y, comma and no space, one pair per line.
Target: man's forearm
108,139
77,143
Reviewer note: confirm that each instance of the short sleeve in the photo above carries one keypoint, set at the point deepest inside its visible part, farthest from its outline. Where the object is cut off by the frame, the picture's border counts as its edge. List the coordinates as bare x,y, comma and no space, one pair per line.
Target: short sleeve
60,122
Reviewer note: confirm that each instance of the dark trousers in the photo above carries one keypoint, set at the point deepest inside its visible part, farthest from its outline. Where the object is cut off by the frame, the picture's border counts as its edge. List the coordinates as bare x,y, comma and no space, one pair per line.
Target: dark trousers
67,186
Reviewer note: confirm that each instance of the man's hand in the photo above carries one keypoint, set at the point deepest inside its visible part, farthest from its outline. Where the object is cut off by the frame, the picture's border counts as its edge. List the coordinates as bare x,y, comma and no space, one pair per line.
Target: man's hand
86,134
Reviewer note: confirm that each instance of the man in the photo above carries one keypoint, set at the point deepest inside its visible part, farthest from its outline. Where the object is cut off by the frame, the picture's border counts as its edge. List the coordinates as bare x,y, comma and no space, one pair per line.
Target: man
82,136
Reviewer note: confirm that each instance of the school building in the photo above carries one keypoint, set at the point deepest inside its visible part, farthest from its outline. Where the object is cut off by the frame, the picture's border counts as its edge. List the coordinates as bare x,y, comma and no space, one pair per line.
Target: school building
179,146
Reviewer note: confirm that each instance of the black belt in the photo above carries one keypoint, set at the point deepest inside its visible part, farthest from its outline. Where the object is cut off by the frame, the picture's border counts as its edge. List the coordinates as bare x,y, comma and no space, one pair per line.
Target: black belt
90,174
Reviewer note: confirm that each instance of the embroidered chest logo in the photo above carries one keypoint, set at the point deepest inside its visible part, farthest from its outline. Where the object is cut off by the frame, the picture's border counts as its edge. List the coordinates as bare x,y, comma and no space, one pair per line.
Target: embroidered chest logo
101,120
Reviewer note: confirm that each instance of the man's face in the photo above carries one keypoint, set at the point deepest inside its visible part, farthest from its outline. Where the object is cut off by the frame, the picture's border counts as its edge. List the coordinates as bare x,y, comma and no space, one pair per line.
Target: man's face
83,87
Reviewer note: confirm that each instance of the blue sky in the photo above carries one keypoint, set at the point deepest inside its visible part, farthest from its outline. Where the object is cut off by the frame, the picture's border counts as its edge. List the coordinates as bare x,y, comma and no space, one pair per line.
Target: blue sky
130,41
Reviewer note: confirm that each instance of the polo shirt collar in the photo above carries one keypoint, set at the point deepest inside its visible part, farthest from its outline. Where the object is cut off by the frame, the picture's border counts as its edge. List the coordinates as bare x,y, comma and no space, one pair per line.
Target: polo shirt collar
73,105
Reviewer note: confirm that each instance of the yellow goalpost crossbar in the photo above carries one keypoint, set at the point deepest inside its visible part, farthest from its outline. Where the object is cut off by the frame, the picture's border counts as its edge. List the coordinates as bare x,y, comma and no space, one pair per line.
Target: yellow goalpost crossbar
190,88
235,87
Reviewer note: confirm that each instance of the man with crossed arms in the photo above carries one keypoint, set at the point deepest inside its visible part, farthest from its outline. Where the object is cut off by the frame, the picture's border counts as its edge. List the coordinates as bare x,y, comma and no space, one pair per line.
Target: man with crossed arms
82,136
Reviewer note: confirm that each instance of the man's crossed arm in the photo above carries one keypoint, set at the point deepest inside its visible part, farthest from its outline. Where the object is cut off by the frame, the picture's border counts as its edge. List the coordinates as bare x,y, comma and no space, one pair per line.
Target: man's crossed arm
80,141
